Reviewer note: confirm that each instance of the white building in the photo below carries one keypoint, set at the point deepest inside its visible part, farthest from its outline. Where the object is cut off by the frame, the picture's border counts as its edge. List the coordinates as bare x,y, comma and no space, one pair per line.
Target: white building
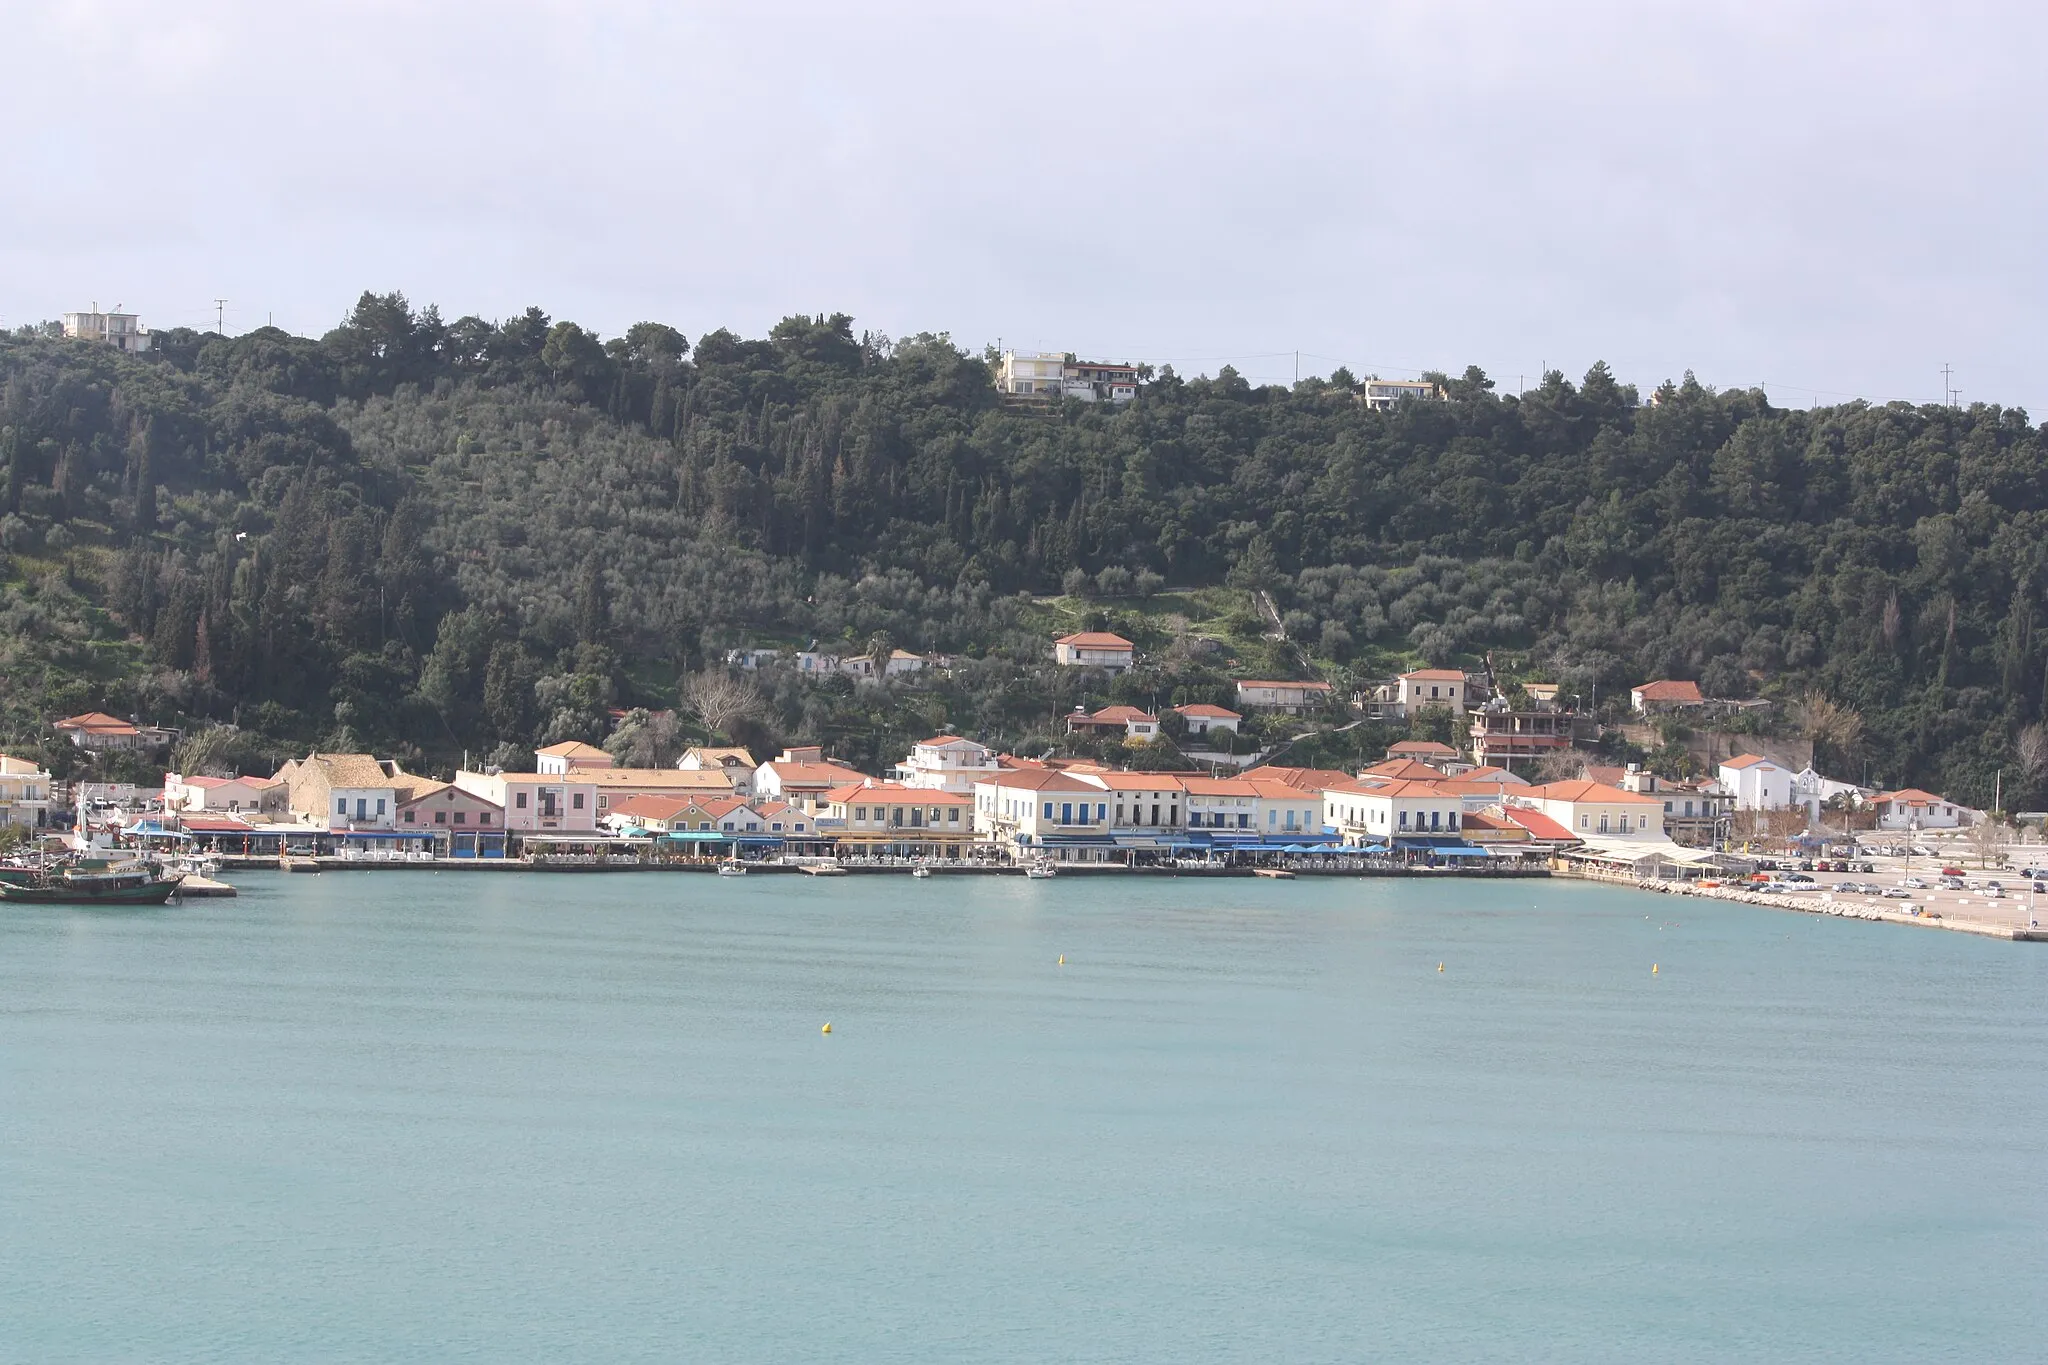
1381,812
737,764
1811,790
1201,718
558,759
233,795
1912,808
947,763
1268,695
1594,810
1048,374
1757,783
122,331
1381,394
1095,649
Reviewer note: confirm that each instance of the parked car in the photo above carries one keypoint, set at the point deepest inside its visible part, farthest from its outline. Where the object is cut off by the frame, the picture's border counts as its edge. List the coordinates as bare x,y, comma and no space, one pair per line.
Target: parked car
1848,888
1951,883
1914,884
1951,872
1897,893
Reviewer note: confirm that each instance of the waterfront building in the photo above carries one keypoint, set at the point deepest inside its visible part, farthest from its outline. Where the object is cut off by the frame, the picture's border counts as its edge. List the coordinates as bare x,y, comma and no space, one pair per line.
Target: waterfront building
538,803
947,763
894,820
1593,810
264,797
1029,811
616,784
24,793
802,777
737,764
1392,812
343,792
463,823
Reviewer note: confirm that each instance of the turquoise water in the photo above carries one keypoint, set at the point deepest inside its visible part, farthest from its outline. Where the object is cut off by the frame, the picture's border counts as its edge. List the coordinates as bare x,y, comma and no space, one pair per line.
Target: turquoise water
406,1117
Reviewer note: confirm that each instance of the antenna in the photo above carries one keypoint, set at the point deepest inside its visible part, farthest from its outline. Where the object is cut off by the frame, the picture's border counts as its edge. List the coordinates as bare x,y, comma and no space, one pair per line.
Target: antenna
220,309
1948,389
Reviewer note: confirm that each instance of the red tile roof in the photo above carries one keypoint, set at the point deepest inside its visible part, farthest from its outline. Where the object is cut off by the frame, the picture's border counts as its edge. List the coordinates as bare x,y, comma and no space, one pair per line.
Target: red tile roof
1202,708
1436,675
1538,824
1095,639
1747,761
1597,792
1243,683
1411,748
1670,691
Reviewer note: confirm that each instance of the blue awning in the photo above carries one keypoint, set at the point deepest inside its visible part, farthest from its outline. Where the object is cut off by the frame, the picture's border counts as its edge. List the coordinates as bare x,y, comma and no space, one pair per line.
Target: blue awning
386,833
1461,853
696,836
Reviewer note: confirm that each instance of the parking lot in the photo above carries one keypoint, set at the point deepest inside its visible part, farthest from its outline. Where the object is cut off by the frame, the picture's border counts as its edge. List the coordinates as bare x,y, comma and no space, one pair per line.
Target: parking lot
1900,885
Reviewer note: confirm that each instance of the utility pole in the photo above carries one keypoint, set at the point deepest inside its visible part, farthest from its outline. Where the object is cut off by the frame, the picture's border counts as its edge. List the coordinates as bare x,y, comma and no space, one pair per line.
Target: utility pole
220,310
1948,389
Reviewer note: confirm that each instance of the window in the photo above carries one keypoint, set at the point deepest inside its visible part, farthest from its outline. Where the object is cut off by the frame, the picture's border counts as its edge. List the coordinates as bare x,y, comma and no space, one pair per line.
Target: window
1100,807
362,808
1642,822
440,817
953,814
1404,819
341,806
483,817
461,817
1453,821
408,817
576,801
380,805
520,800
1436,819
1603,822
1048,811
1667,808
1585,821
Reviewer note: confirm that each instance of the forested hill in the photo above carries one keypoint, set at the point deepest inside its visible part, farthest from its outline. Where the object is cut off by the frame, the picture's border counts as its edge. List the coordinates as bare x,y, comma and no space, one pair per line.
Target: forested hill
425,537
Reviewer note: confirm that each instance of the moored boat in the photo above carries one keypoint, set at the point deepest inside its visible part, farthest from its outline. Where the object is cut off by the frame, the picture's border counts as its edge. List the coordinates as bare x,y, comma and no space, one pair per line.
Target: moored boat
92,882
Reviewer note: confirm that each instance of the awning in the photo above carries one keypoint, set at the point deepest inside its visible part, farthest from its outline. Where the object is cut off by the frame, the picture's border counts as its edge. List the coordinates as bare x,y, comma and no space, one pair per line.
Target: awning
1461,852
384,833
696,836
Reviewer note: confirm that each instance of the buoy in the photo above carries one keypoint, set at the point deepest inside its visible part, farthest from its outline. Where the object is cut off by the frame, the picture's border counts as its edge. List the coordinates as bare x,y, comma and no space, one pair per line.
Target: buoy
826,1029
1653,972
1439,966
1063,959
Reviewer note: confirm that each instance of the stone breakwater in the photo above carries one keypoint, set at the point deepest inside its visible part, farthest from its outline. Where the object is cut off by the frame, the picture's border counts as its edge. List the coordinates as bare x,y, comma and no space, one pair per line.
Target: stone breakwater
1923,914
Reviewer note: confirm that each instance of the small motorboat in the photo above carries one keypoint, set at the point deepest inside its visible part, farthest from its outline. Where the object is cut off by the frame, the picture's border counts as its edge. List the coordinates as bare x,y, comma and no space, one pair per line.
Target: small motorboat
1039,872
920,872
731,869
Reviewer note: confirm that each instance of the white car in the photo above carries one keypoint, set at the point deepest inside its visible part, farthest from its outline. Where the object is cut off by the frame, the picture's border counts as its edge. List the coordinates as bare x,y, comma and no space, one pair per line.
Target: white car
1914,884
1897,893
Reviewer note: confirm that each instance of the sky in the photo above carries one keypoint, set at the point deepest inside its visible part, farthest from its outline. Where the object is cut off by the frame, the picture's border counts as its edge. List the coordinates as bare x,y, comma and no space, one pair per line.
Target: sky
1832,200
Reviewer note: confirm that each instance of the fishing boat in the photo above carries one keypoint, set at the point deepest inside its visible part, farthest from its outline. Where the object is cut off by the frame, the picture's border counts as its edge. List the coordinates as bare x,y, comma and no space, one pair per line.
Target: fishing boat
920,872
731,869
1039,872
92,881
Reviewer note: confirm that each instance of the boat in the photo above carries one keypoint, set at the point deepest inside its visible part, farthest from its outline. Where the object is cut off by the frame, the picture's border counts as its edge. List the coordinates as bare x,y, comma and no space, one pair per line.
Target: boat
920,872
824,869
1278,874
1039,872
731,870
93,881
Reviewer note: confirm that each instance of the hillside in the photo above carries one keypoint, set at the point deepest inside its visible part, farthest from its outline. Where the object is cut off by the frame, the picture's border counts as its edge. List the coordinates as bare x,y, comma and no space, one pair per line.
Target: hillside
431,538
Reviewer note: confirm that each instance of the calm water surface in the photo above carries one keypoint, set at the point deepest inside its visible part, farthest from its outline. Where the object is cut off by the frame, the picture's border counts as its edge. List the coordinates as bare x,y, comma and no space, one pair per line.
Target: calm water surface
408,1117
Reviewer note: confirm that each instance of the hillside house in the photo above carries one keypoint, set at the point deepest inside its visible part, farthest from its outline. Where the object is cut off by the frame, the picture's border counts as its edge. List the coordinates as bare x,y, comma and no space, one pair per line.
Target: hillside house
1271,695
558,759
1201,718
1095,649
1654,697
1445,687
98,731
1050,375
1381,394
1136,726
737,764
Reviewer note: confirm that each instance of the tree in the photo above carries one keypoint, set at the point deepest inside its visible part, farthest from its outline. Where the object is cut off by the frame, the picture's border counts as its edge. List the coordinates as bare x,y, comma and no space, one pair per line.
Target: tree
1989,838
1835,729
720,700
645,739
214,751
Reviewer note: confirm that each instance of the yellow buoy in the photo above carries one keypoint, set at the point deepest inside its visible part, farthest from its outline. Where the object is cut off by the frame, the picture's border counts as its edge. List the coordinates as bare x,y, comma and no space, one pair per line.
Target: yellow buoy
1063,959
826,1029
1653,969
1439,966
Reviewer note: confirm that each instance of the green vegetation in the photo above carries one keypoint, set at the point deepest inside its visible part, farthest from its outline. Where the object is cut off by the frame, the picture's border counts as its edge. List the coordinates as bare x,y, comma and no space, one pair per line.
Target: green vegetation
428,537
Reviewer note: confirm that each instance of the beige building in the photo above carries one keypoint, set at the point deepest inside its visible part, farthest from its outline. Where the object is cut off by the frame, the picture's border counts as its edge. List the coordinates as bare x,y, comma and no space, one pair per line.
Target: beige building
24,793
122,331
1095,649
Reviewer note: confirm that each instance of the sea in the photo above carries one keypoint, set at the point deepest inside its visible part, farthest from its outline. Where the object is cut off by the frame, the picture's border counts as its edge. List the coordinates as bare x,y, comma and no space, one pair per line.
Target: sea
400,1116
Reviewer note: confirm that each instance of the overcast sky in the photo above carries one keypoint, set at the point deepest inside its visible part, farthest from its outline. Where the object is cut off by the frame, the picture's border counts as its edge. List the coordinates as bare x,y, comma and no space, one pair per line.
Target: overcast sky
1828,198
